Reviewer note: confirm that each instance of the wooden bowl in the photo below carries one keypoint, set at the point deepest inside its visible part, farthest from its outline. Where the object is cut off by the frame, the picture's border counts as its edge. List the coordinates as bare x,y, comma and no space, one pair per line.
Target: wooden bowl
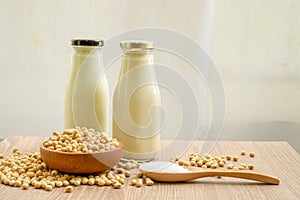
80,163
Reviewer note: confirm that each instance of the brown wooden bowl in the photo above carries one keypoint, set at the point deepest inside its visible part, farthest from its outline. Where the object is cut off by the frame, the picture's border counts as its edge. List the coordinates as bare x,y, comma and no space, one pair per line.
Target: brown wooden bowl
80,163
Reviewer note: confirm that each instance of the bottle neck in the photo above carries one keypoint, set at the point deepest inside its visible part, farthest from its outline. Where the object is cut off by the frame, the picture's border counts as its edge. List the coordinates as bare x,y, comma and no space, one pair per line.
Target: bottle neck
86,49
133,59
137,53
86,56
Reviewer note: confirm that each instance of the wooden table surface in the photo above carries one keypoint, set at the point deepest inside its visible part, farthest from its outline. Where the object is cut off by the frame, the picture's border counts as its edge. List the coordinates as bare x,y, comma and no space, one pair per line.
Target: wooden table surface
274,158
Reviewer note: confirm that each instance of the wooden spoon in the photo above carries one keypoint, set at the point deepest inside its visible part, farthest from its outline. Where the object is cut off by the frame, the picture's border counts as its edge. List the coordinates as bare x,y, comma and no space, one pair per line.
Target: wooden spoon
195,173
80,163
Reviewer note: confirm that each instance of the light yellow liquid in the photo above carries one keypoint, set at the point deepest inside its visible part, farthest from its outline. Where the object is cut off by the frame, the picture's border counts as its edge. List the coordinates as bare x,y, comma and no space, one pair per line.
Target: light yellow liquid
139,145
83,86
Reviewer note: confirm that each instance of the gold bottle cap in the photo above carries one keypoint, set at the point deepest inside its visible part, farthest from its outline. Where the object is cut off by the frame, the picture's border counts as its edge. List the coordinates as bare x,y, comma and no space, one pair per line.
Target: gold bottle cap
136,45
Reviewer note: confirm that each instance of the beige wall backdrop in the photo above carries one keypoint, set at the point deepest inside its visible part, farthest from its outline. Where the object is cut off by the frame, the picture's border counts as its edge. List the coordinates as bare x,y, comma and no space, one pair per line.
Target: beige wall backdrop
254,44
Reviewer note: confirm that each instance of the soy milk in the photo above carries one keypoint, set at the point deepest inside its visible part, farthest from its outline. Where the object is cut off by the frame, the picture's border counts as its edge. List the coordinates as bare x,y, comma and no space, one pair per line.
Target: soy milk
136,100
86,92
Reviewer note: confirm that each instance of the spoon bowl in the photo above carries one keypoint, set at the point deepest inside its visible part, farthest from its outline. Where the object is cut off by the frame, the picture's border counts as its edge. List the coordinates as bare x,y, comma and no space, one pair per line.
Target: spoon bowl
191,173
80,163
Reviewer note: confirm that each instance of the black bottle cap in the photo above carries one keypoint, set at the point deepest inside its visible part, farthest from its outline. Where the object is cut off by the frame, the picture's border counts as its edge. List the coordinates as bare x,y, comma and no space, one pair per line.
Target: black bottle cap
80,42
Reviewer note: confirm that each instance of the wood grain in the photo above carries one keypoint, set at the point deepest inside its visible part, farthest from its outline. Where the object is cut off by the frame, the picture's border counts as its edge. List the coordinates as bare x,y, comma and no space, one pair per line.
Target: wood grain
274,158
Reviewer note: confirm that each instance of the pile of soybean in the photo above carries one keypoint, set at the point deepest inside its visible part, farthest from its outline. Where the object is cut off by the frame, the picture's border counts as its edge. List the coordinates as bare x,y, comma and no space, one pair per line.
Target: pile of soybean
25,169
81,140
214,162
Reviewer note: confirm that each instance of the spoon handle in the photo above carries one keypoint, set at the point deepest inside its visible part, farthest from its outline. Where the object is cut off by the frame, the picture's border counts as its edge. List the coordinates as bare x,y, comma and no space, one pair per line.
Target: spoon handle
250,175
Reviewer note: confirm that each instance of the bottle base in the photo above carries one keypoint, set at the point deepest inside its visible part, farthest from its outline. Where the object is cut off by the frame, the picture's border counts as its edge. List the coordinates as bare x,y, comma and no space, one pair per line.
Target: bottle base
138,157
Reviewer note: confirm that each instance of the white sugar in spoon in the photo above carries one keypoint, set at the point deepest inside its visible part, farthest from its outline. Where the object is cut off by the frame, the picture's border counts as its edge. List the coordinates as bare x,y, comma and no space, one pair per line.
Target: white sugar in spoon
171,172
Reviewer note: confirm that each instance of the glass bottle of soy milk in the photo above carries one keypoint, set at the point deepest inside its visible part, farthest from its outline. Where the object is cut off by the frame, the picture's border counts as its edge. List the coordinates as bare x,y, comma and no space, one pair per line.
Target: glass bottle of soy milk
136,101
86,92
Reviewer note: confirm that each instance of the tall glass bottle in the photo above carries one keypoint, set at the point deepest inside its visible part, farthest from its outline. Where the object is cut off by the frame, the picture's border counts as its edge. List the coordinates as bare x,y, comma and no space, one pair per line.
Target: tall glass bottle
86,92
136,115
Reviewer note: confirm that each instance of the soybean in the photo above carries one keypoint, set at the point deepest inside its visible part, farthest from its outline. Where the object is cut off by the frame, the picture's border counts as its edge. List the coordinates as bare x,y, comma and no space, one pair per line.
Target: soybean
250,166
69,189
117,185
235,158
